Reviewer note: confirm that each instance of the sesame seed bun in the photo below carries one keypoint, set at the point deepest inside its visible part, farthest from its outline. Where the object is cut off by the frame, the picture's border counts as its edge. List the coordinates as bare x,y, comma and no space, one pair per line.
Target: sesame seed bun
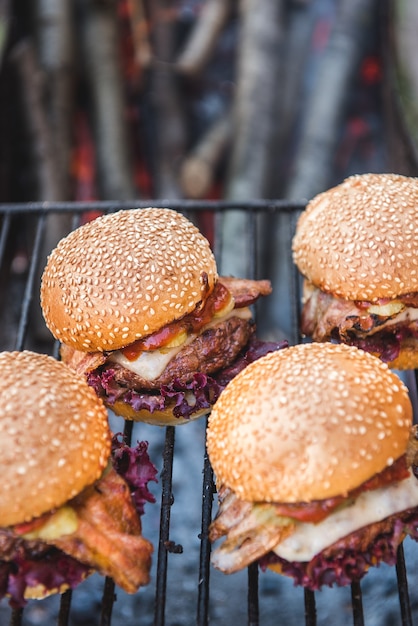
54,438
123,276
359,240
308,423
157,418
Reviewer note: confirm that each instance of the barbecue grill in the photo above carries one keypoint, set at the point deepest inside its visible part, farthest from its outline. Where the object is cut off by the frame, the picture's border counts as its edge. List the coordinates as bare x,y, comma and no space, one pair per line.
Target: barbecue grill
185,590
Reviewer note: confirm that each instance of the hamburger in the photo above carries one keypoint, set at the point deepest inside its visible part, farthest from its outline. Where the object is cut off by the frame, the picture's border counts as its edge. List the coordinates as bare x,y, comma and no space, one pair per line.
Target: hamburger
314,455
135,300
71,496
356,246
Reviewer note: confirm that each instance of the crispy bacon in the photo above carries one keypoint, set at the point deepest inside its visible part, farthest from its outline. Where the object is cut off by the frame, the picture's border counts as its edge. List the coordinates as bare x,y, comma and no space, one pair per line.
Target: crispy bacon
250,527
81,362
244,290
326,317
108,537
251,530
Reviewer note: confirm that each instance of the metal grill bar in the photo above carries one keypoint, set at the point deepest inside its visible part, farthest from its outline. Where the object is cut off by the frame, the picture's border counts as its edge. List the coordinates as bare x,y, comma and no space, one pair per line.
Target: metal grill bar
38,213
253,604
164,544
403,588
263,206
310,608
357,602
205,548
65,606
30,283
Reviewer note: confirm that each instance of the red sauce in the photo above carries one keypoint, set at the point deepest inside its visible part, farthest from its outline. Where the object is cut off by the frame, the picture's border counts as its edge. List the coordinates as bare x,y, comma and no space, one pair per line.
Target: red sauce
27,527
318,510
190,323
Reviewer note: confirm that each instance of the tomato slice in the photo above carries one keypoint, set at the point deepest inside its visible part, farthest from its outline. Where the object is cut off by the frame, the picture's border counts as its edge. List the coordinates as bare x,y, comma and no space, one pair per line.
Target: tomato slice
312,512
190,323
318,510
157,340
26,527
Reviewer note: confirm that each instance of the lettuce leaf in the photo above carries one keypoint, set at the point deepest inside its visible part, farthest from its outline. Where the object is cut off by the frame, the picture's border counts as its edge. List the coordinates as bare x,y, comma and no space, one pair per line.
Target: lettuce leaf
35,563
200,392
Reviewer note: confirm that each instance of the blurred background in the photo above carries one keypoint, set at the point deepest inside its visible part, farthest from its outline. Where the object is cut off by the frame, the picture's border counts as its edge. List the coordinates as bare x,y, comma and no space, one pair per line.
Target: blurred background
235,100
203,99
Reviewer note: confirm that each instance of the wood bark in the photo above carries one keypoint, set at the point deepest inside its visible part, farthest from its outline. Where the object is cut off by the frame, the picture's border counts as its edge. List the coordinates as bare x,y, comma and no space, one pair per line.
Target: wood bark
204,36
54,43
140,37
100,58
313,166
326,104
258,71
199,168
43,161
166,102
401,84
4,25
37,128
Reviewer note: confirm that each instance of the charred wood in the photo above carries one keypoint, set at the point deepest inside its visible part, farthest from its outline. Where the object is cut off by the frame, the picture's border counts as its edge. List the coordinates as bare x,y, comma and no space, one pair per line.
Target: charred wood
168,111
140,36
313,165
4,25
198,170
99,43
258,71
38,131
326,105
204,36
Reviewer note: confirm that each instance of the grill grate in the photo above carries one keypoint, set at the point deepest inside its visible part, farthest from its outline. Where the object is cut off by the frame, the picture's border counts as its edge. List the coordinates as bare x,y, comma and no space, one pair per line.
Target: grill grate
22,232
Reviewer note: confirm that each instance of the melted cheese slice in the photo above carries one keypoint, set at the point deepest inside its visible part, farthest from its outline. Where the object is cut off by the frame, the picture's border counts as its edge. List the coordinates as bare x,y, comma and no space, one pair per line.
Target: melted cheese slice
407,315
150,364
371,506
63,522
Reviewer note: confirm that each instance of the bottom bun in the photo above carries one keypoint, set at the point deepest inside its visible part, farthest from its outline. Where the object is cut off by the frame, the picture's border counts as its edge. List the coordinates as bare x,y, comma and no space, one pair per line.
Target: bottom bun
158,418
39,592
275,567
408,355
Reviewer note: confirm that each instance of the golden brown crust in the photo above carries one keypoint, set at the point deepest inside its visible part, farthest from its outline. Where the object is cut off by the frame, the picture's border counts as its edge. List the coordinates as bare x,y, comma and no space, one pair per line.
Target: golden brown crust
157,418
408,355
308,423
54,435
275,567
123,276
359,240
38,592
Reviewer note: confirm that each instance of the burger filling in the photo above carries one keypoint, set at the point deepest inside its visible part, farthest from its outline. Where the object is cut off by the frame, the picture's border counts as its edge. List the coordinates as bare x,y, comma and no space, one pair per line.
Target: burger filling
59,549
379,327
304,537
181,366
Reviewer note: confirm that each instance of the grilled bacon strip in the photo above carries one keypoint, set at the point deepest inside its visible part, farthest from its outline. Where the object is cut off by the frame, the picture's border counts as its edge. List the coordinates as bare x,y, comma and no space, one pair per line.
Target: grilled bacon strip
245,290
108,537
253,529
81,362
324,316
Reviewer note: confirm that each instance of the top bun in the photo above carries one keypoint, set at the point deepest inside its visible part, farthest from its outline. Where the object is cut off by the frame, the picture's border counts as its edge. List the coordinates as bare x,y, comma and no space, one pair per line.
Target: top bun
123,276
308,423
359,240
54,435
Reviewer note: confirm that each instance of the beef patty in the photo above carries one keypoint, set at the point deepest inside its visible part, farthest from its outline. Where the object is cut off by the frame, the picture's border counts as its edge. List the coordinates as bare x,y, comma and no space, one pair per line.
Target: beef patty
210,352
